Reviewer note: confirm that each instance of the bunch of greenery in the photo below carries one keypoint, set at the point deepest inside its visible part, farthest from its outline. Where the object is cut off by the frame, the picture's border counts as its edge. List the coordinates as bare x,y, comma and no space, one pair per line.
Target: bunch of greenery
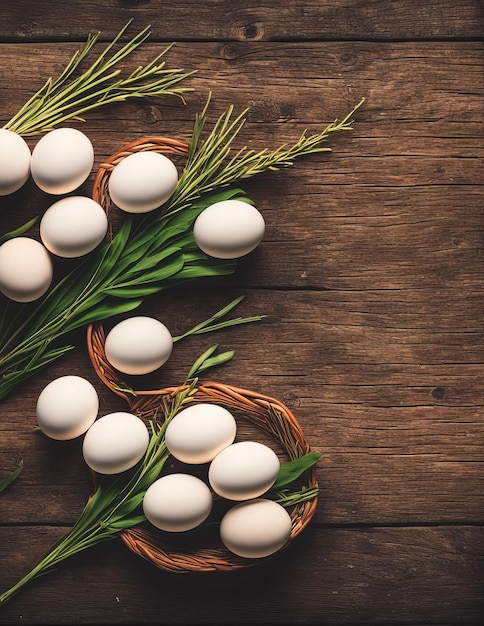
145,256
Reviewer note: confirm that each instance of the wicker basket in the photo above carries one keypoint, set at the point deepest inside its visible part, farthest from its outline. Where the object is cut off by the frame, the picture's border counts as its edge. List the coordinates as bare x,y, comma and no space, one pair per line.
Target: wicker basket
100,192
264,415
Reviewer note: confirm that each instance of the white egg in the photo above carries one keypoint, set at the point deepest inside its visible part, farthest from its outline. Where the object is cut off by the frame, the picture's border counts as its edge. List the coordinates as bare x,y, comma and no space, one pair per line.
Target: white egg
256,528
177,502
73,226
115,443
62,160
14,161
229,229
199,432
142,182
138,345
243,470
67,407
25,269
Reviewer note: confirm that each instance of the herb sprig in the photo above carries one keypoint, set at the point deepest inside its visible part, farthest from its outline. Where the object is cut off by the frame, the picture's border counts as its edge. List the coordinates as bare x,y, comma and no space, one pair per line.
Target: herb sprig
69,97
115,505
210,164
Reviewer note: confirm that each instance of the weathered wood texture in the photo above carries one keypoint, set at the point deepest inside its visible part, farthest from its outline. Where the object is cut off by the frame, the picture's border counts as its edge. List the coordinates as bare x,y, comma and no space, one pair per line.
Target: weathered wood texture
282,20
332,576
370,275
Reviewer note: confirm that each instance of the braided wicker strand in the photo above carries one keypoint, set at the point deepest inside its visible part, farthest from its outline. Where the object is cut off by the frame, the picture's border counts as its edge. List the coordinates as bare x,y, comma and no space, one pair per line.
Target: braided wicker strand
164,145
265,413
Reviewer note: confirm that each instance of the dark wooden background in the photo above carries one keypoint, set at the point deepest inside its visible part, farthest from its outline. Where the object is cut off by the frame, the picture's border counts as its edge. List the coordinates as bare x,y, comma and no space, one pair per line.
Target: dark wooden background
371,275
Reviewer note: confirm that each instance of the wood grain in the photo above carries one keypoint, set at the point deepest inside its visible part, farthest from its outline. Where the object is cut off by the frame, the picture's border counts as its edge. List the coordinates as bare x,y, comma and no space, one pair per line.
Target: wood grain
370,277
357,576
248,20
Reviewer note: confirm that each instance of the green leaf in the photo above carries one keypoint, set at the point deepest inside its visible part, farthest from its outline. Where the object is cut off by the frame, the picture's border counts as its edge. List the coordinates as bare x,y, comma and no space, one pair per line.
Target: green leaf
206,361
148,262
192,272
215,361
211,324
292,470
105,311
115,248
161,273
10,479
134,502
198,363
126,523
218,315
132,292
19,231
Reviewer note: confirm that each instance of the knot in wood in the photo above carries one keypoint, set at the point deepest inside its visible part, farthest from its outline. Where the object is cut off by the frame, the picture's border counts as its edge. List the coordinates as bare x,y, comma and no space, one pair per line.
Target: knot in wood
270,111
253,30
438,393
229,52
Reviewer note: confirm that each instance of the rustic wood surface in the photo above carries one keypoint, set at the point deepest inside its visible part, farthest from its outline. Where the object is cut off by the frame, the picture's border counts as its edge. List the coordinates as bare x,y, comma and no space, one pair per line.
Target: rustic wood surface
371,277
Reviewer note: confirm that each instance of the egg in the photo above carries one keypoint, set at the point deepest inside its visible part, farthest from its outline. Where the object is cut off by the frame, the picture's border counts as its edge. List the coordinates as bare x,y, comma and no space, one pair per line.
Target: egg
199,432
14,162
243,470
138,345
115,443
67,407
62,160
229,229
142,182
256,528
26,270
73,226
177,502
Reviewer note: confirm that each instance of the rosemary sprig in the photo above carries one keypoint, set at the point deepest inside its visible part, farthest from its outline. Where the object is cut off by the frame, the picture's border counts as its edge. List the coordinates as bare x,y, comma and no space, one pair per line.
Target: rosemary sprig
69,97
144,257
210,166
305,494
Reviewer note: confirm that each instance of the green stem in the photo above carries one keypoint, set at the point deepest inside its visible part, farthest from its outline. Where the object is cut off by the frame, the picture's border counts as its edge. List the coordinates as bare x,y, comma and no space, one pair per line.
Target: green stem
297,497
70,544
113,498
60,100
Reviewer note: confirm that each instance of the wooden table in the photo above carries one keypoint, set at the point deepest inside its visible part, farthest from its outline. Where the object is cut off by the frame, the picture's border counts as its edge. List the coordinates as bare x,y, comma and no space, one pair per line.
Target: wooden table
371,278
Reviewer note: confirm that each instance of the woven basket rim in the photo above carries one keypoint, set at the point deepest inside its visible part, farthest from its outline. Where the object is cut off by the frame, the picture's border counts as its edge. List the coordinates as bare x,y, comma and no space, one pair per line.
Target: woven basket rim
164,145
145,541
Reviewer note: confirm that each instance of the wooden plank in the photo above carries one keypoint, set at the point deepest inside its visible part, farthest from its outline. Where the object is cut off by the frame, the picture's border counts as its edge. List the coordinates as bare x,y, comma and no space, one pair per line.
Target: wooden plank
287,87
378,382
375,165
420,242
370,273
326,19
351,576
